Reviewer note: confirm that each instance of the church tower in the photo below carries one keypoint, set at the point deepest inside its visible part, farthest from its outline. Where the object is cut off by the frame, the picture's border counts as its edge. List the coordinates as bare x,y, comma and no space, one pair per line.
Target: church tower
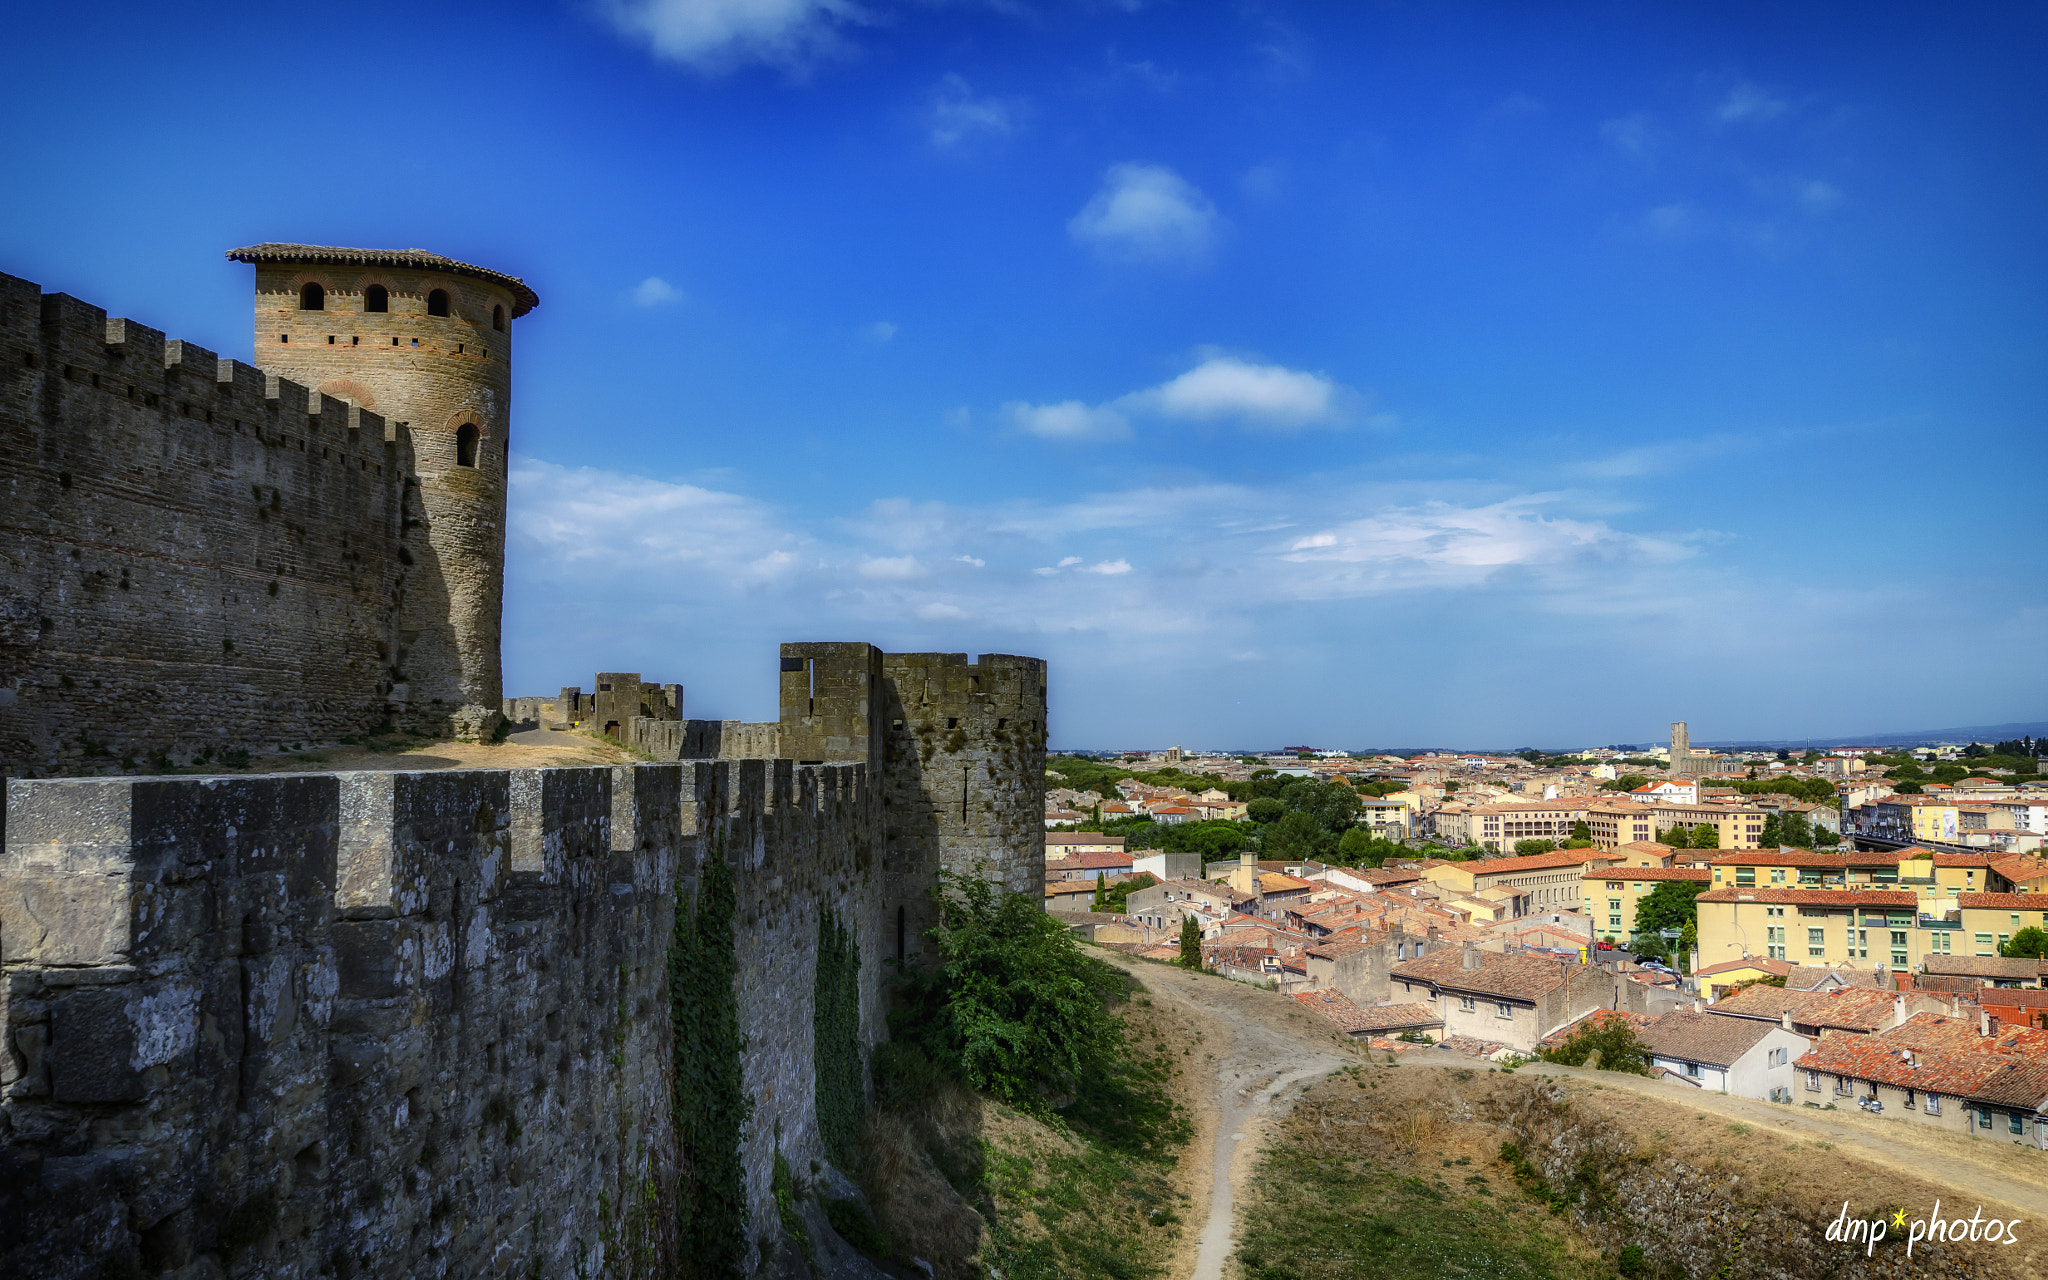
426,342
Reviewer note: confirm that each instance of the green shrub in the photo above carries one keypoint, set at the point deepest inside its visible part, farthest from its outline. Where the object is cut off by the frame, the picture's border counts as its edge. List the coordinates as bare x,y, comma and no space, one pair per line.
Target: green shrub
1014,1008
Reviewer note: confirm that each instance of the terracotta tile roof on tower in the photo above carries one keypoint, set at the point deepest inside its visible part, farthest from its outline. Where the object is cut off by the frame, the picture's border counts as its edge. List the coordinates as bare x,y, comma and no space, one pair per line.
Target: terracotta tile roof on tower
524,299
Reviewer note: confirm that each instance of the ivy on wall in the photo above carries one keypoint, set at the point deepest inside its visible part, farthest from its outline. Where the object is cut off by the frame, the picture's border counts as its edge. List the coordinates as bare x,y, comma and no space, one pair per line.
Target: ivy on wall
841,1095
710,1104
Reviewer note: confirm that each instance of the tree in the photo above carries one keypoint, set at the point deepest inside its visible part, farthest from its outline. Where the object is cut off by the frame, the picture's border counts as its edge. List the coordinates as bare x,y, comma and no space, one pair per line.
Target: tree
1670,905
1706,836
1451,787
1524,848
1265,809
1190,943
1582,830
1608,1035
1297,835
1015,1008
1797,831
2029,941
1626,782
1101,900
1825,837
1908,789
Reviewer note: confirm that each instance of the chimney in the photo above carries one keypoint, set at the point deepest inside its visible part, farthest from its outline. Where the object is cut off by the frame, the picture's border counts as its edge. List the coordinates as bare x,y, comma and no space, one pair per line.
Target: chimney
1898,1011
1470,959
1785,1019
1984,1023
1697,1007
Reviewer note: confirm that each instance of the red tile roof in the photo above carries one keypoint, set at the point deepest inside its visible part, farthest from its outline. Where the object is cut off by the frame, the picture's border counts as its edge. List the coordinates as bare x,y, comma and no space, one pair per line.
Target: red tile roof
1698,875
2005,901
1812,897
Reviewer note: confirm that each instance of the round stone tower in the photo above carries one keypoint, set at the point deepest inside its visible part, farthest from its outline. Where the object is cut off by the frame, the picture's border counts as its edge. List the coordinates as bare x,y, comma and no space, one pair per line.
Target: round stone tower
426,342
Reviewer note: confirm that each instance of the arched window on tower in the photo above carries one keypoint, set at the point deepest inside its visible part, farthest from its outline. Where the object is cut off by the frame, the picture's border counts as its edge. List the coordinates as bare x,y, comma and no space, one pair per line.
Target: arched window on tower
312,297
376,299
465,445
498,319
437,303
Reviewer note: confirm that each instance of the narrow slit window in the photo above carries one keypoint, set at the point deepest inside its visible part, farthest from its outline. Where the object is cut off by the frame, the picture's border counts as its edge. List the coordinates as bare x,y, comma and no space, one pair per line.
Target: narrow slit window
498,318
465,445
375,298
312,297
437,303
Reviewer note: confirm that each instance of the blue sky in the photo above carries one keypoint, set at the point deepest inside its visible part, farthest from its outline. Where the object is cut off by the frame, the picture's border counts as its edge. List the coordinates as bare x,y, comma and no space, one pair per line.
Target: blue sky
1355,375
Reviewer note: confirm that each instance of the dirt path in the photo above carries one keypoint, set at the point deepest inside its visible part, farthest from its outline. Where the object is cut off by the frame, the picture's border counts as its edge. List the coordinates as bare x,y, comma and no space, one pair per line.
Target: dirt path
1262,1048
1259,1049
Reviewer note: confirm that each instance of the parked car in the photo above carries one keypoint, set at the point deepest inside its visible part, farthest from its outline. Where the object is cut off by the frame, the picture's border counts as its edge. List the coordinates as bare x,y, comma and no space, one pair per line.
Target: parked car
1604,945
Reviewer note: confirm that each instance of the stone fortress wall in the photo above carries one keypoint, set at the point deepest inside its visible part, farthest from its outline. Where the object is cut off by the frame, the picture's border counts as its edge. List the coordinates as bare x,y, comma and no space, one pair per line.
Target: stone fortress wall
394,1024
202,556
195,556
397,1025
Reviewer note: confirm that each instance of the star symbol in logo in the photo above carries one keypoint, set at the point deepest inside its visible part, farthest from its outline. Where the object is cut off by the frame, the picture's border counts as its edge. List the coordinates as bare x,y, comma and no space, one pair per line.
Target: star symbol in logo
1899,1218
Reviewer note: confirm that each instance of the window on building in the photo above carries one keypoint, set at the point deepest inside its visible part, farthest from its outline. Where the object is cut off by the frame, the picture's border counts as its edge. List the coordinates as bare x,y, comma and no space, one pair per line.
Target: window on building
465,445
376,299
2015,1122
437,303
1909,1099
1692,1069
1816,942
312,297
1933,1107
1983,944
1983,1117
1504,1010
1813,1081
1465,1004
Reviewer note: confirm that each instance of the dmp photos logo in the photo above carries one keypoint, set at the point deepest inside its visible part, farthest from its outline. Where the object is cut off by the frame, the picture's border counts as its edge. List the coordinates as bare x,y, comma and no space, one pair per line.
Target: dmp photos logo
1932,1227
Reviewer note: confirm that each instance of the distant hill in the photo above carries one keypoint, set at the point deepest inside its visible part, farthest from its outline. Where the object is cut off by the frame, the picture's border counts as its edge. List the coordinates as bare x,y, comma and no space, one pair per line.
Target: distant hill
1907,738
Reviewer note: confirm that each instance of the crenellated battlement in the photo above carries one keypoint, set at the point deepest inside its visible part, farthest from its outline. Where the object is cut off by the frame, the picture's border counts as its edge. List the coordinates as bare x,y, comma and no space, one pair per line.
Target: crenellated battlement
427,1012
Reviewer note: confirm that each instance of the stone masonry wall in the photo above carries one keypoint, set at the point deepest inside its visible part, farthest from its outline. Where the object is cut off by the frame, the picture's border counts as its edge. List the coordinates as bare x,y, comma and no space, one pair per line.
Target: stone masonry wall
194,557
964,745
394,1025
436,374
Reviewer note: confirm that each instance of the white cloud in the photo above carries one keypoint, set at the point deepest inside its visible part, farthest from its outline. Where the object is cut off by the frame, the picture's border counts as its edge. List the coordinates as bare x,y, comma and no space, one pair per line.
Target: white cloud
1220,389
976,561
891,568
1147,213
1632,135
1068,420
1109,568
1260,394
1070,561
719,35
878,332
655,291
959,116
939,611
1747,103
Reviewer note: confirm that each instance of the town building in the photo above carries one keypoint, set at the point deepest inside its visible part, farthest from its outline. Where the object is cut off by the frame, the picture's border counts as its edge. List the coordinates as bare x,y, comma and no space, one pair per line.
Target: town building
1744,1057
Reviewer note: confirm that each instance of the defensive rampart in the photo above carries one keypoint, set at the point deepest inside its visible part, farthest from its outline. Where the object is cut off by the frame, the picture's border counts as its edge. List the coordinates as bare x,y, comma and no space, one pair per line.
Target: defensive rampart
200,558
400,1025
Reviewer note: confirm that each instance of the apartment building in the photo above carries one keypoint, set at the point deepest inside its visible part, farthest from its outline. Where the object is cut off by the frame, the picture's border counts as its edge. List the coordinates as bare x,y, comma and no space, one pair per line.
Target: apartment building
1990,919
1611,892
1552,879
1861,928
